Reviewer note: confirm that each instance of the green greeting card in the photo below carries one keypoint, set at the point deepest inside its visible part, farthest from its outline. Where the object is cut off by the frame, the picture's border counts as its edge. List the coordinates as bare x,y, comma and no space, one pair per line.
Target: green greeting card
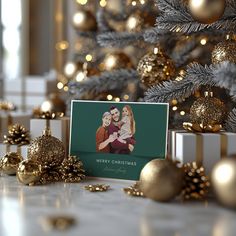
116,140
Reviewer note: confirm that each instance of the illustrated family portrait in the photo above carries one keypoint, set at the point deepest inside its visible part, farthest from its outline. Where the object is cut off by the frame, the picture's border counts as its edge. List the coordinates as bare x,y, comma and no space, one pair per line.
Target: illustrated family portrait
116,133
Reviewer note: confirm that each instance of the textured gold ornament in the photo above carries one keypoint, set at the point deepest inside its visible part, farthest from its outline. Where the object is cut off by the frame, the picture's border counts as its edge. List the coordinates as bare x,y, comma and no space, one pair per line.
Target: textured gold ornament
138,21
207,11
17,135
196,183
161,180
224,51
10,162
72,170
97,187
7,106
134,190
50,175
47,151
115,61
84,20
207,111
155,68
60,222
224,181
29,172
49,115
53,104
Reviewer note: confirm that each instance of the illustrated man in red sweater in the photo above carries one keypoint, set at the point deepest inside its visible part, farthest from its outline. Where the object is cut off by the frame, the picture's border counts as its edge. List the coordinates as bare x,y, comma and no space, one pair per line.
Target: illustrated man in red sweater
116,146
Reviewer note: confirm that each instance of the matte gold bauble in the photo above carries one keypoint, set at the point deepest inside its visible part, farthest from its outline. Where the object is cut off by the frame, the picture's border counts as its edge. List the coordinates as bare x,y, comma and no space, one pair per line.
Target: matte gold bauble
47,151
224,181
29,172
207,11
161,180
9,163
54,104
84,20
208,110
155,67
224,51
138,21
115,61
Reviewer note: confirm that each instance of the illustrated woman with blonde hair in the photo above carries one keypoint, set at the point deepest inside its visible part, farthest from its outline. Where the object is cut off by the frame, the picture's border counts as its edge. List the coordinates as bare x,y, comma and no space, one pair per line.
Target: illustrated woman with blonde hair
127,124
103,140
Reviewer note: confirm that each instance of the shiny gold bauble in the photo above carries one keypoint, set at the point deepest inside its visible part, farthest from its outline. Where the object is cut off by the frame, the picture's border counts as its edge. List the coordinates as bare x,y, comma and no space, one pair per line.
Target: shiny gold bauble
29,172
139,21
161,180
115,61
208,110
207,11
47,151
84,20
224,51
155,67
224,181
9,163
53,104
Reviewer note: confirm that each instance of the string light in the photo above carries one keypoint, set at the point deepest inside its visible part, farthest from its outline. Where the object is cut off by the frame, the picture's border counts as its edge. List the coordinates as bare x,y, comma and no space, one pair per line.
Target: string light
109,97
70,69
175,108
60,85
203,41
103,3
82,2
126,97
89,57
182,113
63,45
66,88
80,76
117,99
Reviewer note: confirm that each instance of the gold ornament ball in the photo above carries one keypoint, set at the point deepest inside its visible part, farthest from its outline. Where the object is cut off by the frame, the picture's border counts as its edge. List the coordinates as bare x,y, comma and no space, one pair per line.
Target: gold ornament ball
10,162
29,172
208,110
138,21
224,181
84,20
224,51
155,68
47,151
161,180
115,61
207,11
53,104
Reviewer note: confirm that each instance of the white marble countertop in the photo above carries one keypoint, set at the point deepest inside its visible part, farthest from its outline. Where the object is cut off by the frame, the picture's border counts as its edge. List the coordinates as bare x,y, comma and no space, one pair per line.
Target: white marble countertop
109,213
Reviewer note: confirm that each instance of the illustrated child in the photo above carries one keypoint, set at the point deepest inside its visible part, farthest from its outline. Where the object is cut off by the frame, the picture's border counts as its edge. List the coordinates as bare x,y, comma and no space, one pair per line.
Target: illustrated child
127,125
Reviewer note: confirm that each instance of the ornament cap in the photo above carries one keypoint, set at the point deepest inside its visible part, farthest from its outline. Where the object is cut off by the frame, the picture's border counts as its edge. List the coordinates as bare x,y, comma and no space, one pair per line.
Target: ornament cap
47,132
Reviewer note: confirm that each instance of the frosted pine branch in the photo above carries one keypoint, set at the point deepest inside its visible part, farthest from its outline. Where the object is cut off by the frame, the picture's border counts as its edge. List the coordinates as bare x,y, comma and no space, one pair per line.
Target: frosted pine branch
175,16
230,124
106,81
101,21
118,39
196,76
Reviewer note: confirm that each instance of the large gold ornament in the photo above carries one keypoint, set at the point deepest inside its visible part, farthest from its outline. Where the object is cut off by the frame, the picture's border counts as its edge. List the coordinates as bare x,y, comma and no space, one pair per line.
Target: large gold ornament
84,20
207,11
224,181
17,135
115,61
139,21
161,180
208,113
10,162
29,172
155,68
46,150
224,51
196,183
53,104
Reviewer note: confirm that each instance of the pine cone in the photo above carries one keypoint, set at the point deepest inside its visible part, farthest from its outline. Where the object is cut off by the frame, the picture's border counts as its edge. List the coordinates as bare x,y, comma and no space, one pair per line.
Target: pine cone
196,182
17,135
72,170
50,175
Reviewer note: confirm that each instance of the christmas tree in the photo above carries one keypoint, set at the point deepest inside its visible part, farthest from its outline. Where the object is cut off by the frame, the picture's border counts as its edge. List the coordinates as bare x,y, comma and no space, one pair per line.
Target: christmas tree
160,51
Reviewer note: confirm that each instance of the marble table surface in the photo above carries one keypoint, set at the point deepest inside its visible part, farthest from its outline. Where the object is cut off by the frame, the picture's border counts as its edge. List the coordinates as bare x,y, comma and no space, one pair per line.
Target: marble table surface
23,208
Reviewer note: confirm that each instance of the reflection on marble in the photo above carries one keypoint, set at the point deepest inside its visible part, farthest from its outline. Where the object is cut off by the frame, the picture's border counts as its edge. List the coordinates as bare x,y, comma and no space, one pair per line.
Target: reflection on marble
107,213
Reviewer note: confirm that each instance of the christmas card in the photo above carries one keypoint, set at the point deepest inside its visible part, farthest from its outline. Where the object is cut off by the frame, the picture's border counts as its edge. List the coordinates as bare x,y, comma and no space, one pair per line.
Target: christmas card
116,140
